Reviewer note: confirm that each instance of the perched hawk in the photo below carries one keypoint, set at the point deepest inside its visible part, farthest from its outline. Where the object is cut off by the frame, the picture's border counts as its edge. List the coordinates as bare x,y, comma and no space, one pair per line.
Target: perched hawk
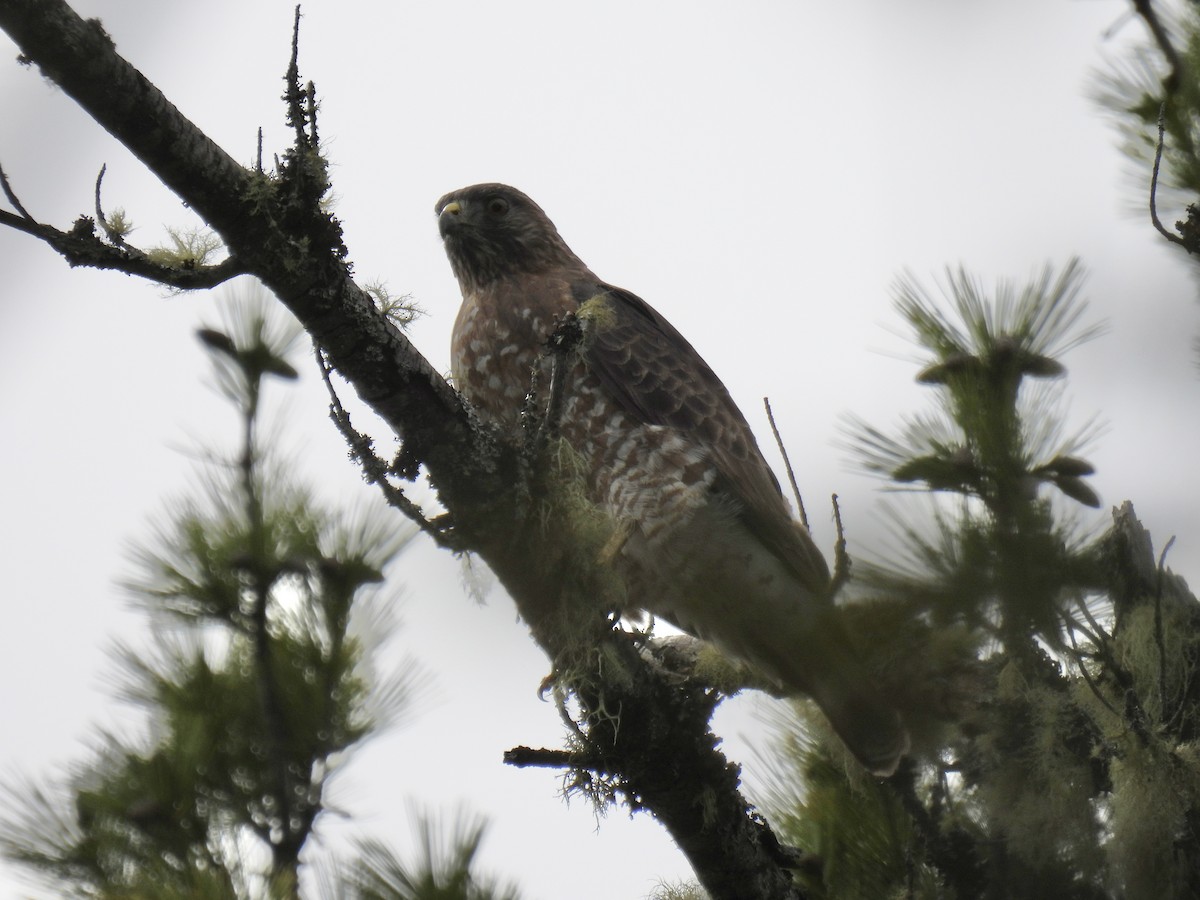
711,544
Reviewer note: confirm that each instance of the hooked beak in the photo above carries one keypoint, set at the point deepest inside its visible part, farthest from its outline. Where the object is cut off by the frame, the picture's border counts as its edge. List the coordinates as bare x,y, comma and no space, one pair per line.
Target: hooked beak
450,217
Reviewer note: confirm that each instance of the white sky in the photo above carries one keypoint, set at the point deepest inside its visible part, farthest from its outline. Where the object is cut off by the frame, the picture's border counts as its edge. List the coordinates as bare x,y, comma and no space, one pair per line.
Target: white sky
758,171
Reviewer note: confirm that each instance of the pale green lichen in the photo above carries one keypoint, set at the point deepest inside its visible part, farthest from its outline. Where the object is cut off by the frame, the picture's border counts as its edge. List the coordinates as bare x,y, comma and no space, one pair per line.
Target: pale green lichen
597,312
572,534
400,310
1156,645
1037,790
118,223
1152,791
191,247
728,675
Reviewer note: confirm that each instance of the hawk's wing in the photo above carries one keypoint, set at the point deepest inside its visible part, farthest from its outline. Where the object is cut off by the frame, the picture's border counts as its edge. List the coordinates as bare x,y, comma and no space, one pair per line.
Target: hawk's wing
656,376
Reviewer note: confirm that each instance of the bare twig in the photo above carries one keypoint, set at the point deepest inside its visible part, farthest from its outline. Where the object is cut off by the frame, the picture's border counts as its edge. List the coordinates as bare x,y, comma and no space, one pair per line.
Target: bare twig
310,110
566,338
1134,714
841,559
531,416
1111,31
787,464
1081,662
540,426
12,197
1158,152
113,235
1074,624
1097,628
294,96
362,450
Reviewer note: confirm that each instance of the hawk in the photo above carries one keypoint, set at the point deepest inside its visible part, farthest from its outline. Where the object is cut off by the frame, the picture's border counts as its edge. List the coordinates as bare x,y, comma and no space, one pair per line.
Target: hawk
711,546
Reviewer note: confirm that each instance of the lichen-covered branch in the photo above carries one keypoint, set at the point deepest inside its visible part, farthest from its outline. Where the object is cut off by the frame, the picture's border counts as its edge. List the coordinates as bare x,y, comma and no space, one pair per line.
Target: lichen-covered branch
82,246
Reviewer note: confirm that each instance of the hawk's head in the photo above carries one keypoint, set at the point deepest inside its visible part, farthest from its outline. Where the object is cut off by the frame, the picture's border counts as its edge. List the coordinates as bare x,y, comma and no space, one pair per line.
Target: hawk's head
493,231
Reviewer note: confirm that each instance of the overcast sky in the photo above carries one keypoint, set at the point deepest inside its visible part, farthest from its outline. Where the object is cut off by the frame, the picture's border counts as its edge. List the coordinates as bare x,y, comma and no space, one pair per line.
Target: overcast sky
758,171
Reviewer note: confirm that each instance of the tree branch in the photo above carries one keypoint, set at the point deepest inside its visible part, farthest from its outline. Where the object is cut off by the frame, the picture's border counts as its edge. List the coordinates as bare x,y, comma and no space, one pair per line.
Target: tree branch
1158,152
787,463
523,757
81,246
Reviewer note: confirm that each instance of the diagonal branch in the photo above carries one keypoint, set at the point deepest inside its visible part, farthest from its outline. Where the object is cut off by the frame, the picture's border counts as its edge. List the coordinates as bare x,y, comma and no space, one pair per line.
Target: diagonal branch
244,208
787,463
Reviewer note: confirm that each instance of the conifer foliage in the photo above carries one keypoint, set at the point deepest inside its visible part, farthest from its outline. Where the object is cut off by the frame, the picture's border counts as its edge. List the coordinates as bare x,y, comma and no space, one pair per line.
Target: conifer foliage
257,681
1050,678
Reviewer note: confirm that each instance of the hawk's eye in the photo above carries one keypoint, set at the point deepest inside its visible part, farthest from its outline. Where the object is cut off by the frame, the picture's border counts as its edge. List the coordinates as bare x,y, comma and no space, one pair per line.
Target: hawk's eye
497,206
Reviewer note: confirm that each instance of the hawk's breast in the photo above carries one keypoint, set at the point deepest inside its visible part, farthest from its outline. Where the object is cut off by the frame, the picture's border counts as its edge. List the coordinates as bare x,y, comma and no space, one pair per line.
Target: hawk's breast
497,338
646,474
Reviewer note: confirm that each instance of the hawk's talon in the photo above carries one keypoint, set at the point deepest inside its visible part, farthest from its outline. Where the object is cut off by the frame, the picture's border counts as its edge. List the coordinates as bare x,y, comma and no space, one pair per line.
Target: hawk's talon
549,683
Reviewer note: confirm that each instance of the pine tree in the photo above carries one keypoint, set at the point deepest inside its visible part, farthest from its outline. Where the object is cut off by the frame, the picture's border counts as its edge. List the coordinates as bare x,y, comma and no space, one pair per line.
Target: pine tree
1049,675
1049,678
257,684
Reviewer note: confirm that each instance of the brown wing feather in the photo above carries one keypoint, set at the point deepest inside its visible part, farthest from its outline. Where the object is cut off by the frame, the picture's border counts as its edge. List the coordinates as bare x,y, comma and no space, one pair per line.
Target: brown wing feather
652,371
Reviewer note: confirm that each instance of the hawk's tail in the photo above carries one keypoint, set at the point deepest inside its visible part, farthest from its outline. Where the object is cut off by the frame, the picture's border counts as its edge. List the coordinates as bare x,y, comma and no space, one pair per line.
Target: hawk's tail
869,728
867,724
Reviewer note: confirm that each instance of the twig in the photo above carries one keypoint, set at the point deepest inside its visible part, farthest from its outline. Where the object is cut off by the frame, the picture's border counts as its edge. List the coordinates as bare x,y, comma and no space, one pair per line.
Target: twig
1111,31
113,234
1096,626
1134,714
115,237
531,417
310,108
1074,624
1159,642
12,197
294,96
362,450
560,705
541,426
565,338
841,559
1087,676
81,247
523,757
787,463
1158,152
